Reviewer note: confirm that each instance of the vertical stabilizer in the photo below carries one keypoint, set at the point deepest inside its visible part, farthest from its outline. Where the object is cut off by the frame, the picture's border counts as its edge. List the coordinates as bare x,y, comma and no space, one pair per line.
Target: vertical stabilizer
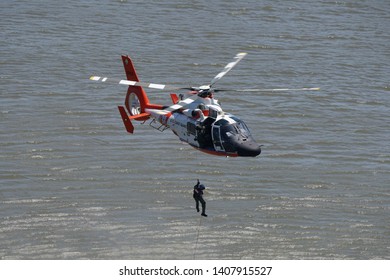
129,69
136,99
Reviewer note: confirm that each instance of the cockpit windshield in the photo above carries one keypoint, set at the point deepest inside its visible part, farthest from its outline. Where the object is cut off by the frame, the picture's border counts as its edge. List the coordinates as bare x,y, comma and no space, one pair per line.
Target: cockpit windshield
230,134
234,127
243,129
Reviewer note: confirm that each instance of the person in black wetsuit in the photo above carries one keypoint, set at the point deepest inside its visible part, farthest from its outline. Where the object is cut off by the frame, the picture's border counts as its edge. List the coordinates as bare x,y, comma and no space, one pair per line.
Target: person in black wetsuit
198,196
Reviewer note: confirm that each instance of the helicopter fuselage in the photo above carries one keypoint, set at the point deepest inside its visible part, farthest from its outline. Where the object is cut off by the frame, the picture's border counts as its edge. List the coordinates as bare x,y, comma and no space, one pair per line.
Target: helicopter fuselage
205,126
197,120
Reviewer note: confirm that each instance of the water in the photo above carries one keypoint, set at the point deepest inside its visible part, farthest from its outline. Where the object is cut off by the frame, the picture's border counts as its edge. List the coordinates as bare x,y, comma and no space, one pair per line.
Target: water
75,185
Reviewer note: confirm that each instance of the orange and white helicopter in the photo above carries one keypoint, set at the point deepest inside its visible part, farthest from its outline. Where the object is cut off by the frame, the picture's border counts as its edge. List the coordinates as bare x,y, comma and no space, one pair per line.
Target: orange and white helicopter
197,120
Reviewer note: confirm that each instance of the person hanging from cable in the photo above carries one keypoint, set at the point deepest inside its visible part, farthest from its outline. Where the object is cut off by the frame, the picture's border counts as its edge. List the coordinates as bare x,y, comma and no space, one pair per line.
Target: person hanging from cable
198,196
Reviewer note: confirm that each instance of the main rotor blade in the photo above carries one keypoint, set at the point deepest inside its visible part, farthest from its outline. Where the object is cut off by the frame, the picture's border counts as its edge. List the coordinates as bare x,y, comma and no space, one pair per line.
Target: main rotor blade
277,89
228,67
134,83
182,103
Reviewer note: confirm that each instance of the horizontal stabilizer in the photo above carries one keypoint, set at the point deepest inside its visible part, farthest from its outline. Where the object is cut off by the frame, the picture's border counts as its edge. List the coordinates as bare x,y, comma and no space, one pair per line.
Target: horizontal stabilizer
140,117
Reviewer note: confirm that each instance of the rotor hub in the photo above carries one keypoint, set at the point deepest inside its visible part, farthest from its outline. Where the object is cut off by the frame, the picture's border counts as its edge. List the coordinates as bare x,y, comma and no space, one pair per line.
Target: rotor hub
204,91
205,87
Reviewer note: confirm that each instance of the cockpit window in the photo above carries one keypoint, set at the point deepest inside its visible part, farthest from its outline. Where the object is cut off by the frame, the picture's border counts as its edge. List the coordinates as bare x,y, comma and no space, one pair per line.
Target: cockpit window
229,130
233,128
241,127
244,131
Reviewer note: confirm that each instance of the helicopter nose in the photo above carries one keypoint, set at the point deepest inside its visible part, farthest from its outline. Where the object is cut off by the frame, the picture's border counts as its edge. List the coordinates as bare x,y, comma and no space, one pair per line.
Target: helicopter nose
249,149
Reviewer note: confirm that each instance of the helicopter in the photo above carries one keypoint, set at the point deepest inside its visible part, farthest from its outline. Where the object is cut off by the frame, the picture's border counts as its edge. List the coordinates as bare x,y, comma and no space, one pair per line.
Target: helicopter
198,120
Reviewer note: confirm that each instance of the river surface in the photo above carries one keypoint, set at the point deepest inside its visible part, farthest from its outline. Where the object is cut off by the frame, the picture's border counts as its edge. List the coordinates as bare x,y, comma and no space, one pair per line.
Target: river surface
75,185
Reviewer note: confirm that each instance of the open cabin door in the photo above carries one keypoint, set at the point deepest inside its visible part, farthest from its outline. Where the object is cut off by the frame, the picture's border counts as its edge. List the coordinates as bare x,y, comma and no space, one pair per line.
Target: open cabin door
217,139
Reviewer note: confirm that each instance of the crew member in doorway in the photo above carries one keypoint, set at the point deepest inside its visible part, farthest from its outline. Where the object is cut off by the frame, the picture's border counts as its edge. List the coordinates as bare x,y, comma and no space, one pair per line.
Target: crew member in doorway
198,196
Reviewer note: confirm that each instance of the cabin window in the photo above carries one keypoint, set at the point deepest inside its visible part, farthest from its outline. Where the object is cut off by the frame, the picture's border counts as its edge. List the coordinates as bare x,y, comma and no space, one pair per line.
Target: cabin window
191,128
